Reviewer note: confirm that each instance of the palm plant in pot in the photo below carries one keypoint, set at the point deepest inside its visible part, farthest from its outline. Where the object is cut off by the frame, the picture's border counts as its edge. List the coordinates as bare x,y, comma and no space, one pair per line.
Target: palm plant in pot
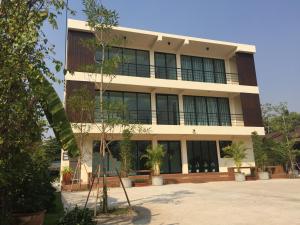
154,156
126,157
237,151
261,157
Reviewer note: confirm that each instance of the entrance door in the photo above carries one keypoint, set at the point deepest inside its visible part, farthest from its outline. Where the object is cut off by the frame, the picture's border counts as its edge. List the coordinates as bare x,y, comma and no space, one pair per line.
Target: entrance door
202,156
172,160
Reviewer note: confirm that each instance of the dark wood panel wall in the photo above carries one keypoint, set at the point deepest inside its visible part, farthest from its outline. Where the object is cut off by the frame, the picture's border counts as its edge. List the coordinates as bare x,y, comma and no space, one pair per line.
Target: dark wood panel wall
246,69
72,87
79,55
251,110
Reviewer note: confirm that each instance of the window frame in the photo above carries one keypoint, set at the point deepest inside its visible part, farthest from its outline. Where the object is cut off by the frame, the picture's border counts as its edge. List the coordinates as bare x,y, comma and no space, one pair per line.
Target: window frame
203,70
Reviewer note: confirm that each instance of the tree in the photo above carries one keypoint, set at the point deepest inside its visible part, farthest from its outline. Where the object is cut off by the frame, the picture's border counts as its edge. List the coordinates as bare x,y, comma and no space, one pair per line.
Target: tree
280,120
259,149
126,153
109,115
154,156
26,92
82,104
236,151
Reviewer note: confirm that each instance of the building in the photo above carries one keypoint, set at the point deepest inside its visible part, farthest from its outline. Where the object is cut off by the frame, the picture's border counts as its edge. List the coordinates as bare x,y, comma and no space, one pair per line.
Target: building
196,96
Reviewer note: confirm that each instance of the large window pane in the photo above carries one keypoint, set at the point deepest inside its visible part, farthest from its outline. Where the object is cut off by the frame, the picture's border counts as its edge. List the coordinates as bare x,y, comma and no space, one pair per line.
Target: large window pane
208,70
167,109
160,66
172,159
144,108
189,110
171,66
199,110
186,68
143,61
202,156
130,106
130,102
219,68
203,69
129,62
212,110
165,66
224,112
198,74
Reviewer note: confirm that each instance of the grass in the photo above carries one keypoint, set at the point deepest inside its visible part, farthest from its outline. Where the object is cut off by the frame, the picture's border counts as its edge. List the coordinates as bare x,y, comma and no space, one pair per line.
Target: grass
52,217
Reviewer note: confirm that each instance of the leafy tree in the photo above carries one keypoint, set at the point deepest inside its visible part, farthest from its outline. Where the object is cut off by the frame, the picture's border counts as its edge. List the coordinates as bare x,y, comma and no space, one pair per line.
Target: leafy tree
236,151
26,91
110,116
126,152
82,104
259,149
278,119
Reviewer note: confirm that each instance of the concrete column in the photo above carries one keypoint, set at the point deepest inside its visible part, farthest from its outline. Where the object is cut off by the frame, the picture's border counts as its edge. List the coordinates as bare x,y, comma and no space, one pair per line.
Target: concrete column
184,157
153,108
154,141
181,114
152,64
178,65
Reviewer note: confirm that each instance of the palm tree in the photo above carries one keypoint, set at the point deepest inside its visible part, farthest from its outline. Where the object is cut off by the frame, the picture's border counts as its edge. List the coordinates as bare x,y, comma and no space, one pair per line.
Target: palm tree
154,156
237,151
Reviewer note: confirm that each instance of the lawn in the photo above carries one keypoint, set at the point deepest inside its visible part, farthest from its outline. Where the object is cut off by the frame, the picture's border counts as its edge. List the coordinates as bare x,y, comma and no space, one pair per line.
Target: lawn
52,217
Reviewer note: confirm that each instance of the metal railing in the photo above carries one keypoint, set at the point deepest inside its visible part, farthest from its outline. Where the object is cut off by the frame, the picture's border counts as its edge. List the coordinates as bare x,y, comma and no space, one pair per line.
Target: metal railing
174,73
162,117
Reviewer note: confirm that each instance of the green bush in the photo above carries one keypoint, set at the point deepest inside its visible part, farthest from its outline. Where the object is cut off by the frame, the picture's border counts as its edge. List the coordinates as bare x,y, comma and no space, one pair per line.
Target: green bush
32,190
77,216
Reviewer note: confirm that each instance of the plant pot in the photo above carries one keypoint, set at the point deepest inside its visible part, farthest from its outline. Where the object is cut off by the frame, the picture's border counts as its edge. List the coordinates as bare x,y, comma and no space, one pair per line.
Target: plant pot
263,176
36,218
67,178
239,177
126,182
157,180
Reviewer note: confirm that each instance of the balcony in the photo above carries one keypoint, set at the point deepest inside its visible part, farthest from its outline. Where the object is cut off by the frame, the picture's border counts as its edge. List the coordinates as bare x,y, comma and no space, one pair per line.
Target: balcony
176,118
173,73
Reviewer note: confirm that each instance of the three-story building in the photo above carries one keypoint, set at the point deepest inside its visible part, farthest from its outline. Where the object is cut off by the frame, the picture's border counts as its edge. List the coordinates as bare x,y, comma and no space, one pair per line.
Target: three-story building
196,96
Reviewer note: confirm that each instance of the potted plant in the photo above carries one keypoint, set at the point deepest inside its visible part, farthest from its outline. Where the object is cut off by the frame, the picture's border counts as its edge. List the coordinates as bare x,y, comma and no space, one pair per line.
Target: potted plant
67,173
154,156
33,193
237,151
126,157
260,155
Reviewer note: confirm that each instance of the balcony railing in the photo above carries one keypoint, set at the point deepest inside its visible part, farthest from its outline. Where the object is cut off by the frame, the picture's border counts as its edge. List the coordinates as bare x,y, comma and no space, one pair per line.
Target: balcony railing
172,73
176,118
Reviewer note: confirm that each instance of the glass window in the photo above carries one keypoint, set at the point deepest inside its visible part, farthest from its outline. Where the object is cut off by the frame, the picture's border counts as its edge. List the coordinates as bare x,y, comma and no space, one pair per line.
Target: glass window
222,145
203,69
167,109
199,110
202,156
165,66
172,159
132,62
143,63
130,106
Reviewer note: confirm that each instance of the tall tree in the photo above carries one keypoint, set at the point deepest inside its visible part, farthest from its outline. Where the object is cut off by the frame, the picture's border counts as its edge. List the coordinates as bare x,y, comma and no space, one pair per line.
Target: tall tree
110,116
26,94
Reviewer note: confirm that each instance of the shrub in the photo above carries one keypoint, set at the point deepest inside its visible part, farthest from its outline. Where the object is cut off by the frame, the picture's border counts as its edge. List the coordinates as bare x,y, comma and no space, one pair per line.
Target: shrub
77,216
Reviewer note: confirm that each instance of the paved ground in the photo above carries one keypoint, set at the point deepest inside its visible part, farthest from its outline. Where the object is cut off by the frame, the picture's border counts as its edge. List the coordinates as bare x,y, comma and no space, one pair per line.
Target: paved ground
272,202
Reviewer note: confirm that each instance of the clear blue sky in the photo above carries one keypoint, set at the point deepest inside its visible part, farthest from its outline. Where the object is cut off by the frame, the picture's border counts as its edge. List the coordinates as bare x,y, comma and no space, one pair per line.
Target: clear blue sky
272,25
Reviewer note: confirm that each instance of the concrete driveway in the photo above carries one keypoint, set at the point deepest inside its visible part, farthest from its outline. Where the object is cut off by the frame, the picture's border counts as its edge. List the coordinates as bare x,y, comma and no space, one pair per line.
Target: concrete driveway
271,202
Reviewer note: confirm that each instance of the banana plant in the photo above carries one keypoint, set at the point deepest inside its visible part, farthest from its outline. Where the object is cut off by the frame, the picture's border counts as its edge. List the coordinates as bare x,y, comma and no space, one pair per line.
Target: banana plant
56,116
